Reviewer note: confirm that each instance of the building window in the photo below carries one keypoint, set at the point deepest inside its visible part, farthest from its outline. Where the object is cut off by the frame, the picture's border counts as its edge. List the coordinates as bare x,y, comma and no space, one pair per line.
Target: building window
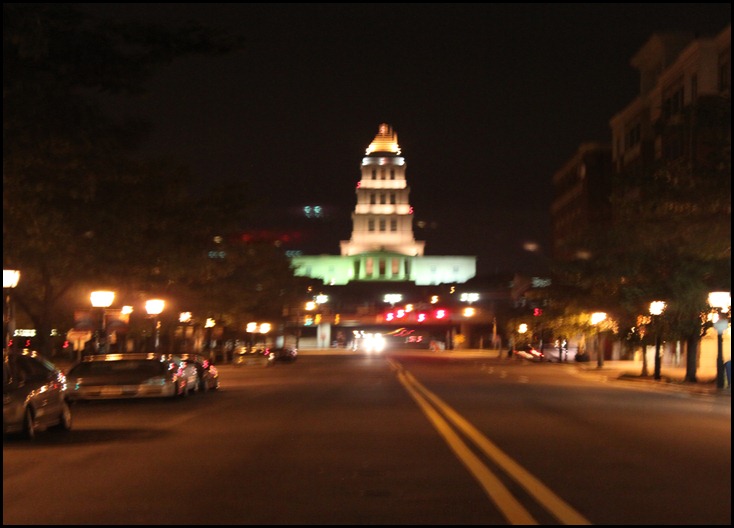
673,100
392,198
382,267
393,225
373,200
374,174
382,225
370,225
382,199
382,174
392,174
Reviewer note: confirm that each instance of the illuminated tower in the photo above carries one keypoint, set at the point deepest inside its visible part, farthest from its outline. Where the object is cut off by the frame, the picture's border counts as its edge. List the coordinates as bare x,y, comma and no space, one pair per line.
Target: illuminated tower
383,218
382,246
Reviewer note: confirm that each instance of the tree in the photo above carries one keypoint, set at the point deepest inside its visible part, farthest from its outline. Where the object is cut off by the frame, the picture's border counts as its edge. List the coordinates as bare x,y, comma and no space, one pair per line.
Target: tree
670,237
78,208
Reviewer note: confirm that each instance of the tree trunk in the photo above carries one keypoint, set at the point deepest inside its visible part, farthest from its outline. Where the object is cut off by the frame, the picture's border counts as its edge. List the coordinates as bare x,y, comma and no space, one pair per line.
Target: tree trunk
692,344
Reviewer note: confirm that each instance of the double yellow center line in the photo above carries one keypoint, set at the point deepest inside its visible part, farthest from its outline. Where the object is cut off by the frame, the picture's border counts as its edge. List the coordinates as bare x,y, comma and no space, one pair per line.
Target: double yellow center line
447,422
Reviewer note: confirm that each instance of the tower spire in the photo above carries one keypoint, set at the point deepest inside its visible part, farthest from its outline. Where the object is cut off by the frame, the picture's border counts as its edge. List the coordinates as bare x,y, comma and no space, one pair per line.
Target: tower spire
383,218
386,140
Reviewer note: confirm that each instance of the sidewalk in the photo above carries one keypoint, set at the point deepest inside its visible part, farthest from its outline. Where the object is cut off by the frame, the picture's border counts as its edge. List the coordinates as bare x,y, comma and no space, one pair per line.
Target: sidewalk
671,378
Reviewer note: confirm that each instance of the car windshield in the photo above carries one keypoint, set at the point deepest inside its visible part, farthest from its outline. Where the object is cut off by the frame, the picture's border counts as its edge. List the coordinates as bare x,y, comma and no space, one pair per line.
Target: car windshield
150,367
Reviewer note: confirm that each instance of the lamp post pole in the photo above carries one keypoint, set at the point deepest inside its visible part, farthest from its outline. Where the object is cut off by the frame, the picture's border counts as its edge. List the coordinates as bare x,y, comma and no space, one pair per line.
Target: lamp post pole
10,281
596,319
101,300
656,310
154,307
721,324
721,302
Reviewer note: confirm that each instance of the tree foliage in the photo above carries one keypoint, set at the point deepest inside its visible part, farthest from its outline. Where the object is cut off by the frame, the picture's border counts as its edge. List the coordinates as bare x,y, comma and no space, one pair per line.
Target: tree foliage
80,209
670,237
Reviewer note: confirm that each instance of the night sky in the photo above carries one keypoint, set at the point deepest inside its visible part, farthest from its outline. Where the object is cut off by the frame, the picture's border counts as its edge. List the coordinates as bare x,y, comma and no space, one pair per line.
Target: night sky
488,101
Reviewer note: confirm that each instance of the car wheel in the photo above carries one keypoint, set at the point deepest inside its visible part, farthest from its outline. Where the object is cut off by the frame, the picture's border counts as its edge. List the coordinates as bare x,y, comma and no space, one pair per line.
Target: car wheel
65,418
29,425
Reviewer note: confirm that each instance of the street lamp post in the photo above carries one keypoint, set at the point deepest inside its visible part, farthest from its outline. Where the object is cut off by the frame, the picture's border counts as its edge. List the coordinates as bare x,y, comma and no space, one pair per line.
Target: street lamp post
209,325
721,301
101,300
522,329
10,281
154,307
185,318
596,319
656,310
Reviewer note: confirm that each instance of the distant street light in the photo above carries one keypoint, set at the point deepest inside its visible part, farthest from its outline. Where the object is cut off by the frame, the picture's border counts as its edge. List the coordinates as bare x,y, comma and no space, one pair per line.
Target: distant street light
321,298
469,297
596,318
721,302
101,300
656,310
392,298
469,312
154,307
10,281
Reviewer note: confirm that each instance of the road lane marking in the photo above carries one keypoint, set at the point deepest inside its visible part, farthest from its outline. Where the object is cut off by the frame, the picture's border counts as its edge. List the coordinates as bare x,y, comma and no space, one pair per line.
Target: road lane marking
535,488
508,505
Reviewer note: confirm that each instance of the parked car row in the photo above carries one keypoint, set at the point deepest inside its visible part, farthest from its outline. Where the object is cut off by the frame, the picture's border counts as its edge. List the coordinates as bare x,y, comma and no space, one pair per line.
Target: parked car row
149,375
37,395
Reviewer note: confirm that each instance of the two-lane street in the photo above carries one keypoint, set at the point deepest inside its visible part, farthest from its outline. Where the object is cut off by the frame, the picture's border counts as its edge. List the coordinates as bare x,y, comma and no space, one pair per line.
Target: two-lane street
384,439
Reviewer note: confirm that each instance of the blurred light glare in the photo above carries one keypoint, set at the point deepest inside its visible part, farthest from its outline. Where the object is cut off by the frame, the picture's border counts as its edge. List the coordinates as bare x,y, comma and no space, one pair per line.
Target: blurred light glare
154,306
393,298
720,300
102,299
657,307
10,278
469,297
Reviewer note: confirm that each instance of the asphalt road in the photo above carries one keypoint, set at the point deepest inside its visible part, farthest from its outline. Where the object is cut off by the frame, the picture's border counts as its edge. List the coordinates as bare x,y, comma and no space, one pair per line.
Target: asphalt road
389,439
